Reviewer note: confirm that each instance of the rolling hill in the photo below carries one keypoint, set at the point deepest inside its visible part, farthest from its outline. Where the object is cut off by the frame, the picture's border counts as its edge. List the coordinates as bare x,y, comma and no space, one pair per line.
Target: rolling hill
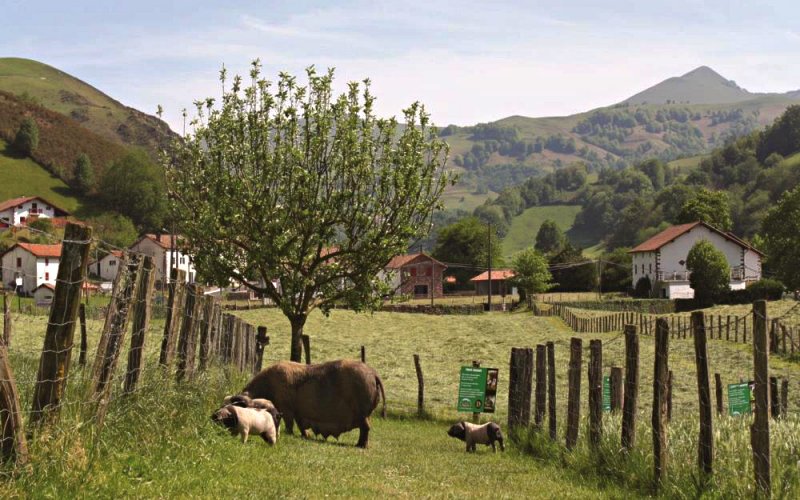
94,110
701,85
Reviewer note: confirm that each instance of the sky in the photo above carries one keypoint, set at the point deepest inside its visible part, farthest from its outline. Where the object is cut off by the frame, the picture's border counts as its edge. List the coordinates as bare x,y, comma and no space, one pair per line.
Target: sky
468,62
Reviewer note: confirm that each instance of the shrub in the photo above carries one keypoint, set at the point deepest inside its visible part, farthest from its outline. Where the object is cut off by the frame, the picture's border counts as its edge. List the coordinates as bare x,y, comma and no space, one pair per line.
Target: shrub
27,138
710,278
766,289
643,288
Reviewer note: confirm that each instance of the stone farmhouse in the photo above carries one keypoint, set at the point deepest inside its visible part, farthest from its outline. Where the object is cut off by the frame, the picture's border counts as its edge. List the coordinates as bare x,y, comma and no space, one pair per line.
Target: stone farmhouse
20,211
106,267
416,274
35,264
662,259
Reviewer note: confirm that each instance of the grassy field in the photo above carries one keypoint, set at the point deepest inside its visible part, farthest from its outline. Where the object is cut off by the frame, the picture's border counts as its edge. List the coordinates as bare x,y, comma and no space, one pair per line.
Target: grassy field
460,197
160,442
524,227
24,177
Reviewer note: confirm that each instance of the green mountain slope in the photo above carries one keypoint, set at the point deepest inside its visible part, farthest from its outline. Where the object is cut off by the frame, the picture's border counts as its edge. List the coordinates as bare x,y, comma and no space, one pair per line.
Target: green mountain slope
522,233
701,85
61,92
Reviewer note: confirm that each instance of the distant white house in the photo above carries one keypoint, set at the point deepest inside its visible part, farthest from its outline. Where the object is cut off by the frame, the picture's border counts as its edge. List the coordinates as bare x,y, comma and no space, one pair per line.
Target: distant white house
662,259
167,254
107,267
18,211
43,295
34,264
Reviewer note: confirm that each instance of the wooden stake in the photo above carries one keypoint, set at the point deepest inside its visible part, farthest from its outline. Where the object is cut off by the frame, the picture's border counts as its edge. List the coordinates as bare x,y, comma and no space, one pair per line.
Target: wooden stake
187,342
519,387
551,389
541,385
84,340
307,348
759,430
7,324
595,391
175,305
142,310
631,394
706,440
262,340
13,445
420,387
718,390
659,420
574,392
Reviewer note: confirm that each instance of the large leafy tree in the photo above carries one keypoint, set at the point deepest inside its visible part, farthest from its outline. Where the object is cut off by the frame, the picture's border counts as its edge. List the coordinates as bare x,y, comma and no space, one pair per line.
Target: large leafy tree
549,238
708,206
27,138
781,237
466,243
134,186
531,273
307,191
710,278
84,175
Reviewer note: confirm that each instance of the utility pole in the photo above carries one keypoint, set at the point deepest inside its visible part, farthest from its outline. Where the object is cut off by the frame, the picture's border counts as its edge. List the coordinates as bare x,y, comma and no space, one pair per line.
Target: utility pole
489,293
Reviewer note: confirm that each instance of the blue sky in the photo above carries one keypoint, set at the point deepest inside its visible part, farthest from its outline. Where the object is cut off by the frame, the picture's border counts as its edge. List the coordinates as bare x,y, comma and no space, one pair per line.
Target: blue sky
467,61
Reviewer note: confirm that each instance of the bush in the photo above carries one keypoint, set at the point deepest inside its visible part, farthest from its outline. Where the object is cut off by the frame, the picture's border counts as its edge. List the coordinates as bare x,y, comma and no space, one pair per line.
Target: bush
710,278
765,289
643,288
27,138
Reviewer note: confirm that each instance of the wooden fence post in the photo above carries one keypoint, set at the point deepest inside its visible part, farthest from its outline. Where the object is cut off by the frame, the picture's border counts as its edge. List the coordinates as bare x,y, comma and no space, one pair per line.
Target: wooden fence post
706,440
363,354
187,340
541,385
113,335
759,430
262,340
420,387
84,340
659,420
206,332
175,304
551,389
307,348
574,392
774,398
13,445
718,390
631,394
51,379
519,387
142,309
7,325
595,391
784,397
616,388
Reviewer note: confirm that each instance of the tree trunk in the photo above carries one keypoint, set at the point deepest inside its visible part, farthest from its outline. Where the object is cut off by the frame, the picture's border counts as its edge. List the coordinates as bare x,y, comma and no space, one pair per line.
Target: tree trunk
298,322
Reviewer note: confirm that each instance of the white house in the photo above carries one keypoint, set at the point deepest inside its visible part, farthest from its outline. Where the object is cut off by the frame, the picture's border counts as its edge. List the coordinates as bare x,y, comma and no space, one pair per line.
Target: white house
662,259
17,211
43,295
35,264
106,268
163,247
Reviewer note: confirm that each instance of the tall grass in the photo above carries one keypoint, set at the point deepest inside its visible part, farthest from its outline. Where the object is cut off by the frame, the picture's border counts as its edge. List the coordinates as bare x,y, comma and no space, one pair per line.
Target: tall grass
733,476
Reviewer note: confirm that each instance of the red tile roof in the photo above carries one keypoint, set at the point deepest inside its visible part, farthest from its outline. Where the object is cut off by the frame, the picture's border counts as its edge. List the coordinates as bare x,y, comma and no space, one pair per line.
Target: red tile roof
497,275
399,261
5,205
46,285
40,250
162,240
671,233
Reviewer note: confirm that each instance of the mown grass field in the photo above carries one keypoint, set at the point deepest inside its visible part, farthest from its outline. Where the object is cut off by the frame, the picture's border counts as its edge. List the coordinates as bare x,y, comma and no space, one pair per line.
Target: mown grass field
524,226
24,177
160,442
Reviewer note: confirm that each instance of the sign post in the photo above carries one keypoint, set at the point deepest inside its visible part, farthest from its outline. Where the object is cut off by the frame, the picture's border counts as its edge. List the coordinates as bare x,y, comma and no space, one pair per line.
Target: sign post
739,399
477,390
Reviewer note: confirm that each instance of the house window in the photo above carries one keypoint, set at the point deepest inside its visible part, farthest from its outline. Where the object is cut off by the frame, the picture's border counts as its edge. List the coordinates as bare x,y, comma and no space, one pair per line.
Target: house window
47,276
413,271
636,269
19,261
46,261
33,206
183,260
421,290
112,263
48,207
650,267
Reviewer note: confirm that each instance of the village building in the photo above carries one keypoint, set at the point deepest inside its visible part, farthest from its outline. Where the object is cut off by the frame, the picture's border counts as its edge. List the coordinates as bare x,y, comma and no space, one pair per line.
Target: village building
416,274
26,209
167,255
33,264
43,295
499,282
662,259
106,268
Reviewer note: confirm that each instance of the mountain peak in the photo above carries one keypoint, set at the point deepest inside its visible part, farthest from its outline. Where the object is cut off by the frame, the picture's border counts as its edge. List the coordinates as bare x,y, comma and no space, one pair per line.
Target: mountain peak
701,85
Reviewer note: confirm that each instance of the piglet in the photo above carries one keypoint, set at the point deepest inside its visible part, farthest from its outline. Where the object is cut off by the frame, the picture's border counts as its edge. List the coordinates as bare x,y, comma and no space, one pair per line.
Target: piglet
246,421
473,434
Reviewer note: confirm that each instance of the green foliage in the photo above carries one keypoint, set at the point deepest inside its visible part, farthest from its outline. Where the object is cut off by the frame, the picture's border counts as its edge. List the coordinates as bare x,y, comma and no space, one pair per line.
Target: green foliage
711,207
531,273
616,271
783,136
134,187
43,224
710,273
549,239
781,232
294,184
467,242
572,271
27,138
765,289
114,228
643,288
84,174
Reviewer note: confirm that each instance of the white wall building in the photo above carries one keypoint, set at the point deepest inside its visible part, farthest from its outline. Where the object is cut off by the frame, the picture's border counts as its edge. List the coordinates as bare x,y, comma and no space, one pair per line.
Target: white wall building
17,211
43,295
107,267
662,259
35,264
162,249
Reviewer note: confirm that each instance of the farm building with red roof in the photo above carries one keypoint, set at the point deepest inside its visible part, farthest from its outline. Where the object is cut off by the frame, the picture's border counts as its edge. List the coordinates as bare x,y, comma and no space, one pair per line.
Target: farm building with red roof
416,274
34,265
19,211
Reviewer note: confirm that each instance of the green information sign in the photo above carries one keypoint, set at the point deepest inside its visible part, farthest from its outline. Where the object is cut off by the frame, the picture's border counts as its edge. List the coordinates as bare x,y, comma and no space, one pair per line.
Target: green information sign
739,399
606,393
477,389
